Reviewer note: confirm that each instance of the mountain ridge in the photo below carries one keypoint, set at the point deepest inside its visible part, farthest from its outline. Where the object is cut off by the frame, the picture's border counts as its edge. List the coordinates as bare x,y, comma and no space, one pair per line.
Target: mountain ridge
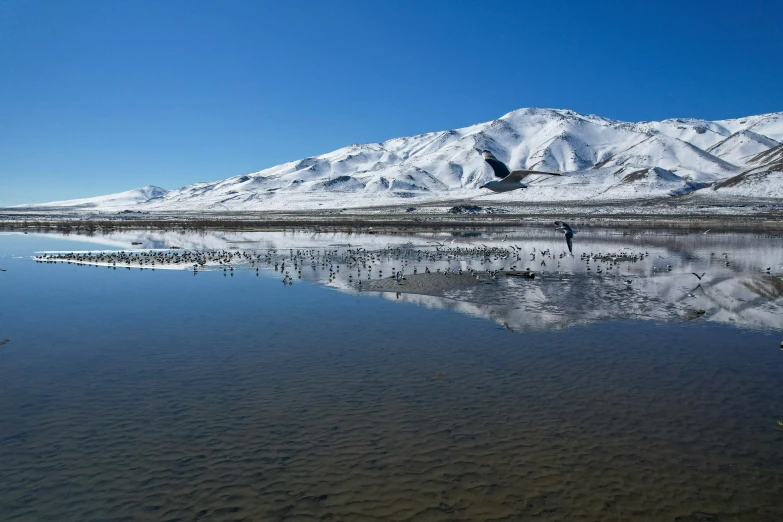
680,155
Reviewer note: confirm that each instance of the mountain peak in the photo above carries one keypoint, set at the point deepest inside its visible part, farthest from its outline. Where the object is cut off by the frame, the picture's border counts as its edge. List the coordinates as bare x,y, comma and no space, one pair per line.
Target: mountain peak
677,156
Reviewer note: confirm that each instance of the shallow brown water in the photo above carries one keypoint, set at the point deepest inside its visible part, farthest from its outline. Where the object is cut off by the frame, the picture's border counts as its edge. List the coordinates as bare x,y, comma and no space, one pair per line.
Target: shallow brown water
160,396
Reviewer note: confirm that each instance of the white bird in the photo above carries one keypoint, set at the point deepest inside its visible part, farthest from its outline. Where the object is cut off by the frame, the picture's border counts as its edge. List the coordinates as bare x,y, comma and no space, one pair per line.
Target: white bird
509,180
569,234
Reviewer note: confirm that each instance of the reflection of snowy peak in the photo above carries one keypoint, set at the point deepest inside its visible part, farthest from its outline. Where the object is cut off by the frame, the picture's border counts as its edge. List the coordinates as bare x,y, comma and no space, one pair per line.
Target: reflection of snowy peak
563,294
597,153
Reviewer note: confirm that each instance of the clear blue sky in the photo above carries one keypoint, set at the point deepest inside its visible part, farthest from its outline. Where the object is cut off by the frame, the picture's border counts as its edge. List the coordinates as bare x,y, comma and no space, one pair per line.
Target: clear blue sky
104,96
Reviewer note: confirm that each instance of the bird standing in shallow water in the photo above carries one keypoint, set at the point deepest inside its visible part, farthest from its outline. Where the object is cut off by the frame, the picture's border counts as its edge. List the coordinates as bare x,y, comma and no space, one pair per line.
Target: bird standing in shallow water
509,180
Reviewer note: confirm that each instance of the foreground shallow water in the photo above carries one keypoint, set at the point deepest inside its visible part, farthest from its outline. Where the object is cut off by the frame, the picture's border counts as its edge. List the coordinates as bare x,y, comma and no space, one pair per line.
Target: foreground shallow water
133,394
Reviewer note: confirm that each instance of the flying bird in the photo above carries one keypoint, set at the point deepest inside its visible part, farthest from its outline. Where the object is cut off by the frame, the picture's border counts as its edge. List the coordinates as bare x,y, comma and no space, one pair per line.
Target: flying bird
569,234
509,180
698,276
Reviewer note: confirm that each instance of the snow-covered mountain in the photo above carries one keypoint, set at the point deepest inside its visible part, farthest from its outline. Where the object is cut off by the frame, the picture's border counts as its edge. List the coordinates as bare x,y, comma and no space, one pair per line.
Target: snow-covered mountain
763,176
604,159
741,146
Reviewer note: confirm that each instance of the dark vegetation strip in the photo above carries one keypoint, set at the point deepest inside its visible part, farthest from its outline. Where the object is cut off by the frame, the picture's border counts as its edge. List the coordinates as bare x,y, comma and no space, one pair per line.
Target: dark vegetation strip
390,223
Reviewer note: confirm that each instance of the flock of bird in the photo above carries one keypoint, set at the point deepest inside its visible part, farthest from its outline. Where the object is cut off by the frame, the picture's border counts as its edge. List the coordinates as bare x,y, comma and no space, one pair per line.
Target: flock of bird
380,268
356,265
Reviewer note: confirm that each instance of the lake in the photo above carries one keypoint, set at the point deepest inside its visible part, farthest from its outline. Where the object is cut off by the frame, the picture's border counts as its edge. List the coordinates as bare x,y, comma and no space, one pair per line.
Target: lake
615,384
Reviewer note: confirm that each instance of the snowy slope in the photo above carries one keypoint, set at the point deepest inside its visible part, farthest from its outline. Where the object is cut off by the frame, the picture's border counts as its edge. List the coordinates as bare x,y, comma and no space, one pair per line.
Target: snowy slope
705,134
602,159
120,200
764,177
742,146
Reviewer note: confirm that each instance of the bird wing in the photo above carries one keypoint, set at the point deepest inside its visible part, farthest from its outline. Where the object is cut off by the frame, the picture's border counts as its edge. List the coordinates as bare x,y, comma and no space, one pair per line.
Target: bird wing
500,169
562,227
570,240
518,175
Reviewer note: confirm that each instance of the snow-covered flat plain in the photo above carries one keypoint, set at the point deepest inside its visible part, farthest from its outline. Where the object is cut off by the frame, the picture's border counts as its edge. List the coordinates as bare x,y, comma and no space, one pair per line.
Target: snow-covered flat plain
603,160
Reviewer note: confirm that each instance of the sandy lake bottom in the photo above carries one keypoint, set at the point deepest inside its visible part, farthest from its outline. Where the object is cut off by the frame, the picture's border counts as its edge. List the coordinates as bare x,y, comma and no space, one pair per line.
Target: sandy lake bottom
164,395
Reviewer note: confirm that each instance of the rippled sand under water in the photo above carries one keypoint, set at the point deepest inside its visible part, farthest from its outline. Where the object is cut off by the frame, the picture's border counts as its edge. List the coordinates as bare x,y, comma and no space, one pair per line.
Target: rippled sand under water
159,396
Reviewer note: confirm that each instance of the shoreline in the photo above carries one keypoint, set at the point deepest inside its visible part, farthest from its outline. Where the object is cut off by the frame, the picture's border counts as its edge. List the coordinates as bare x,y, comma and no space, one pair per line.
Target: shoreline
392,224
765,215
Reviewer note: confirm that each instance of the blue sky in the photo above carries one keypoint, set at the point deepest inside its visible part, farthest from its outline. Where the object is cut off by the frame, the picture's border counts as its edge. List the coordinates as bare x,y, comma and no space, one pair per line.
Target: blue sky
104,96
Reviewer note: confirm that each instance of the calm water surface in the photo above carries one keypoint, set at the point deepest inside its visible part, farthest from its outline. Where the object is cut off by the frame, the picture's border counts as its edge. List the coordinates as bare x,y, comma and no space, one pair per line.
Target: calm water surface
164,395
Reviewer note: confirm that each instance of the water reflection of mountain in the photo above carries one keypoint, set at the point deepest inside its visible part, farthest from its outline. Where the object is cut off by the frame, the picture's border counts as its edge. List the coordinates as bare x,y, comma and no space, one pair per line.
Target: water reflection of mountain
736,288
552,302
